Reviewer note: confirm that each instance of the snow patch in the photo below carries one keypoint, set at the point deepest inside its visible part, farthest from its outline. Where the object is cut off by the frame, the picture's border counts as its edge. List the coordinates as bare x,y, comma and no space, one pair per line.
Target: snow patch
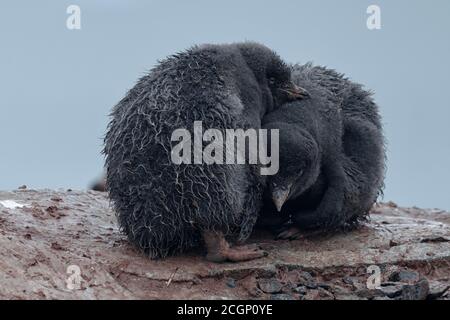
11,204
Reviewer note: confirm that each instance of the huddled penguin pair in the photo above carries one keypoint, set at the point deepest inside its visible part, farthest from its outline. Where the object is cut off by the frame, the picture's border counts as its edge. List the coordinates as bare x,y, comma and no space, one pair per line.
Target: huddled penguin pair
332,155
166,208
331,151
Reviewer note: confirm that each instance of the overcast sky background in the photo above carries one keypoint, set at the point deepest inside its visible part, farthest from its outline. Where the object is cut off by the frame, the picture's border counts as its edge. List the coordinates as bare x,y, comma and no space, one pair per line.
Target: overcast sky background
57,86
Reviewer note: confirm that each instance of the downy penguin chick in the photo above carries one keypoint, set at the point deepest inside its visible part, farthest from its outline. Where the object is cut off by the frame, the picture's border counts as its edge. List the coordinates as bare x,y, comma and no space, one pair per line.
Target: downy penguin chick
166,208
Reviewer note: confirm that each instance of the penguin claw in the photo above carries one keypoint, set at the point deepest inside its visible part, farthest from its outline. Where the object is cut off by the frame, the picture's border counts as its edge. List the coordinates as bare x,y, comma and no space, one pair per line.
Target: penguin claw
291,233
219,250
249,247
238,254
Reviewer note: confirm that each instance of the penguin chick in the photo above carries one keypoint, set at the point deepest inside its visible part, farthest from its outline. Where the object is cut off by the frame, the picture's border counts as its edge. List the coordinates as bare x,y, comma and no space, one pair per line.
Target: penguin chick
299,155
362,157
310,146
166,208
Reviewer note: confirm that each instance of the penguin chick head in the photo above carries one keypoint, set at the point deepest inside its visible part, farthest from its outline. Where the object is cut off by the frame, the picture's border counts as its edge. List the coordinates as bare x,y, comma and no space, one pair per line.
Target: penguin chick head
299,163
272,74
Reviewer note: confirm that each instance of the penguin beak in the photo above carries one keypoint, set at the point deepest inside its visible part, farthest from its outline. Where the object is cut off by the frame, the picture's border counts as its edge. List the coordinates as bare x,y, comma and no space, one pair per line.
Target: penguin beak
279,196
295,92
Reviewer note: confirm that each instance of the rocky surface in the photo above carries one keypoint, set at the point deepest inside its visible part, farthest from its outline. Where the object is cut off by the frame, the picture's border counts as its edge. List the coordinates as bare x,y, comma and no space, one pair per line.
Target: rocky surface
66,245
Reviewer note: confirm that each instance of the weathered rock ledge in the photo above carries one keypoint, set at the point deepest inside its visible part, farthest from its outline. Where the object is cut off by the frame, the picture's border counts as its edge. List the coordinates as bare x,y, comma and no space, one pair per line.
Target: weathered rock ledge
42,233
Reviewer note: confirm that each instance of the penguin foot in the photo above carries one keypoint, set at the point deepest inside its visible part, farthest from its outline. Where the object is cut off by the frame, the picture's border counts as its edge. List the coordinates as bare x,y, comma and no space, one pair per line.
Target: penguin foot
236,254
219,249
294,233
291,233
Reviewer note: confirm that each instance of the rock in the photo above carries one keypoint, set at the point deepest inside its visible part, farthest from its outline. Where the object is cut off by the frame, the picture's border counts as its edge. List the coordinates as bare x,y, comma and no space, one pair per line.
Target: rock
55,245
270,285
307,280
348,280
311,295
231,283
301,290
54,233
311,285
392,243
250,286
404,276
445,295
282,296
437,289
305,275
418,291
318,294
435,239
382,298
324,286
391,290
325,294
348,296
392,204
370,293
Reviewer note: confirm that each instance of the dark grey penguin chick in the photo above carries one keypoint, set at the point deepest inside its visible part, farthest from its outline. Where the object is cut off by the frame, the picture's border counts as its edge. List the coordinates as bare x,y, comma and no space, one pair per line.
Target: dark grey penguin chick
310,147
360,155
166,208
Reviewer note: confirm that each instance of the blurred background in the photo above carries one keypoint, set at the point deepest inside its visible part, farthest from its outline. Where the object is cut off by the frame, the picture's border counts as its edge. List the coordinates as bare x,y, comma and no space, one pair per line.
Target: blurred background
57,85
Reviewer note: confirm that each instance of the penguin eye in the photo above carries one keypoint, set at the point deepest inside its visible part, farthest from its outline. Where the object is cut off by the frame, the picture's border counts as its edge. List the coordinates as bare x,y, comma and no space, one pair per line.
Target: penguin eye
299,175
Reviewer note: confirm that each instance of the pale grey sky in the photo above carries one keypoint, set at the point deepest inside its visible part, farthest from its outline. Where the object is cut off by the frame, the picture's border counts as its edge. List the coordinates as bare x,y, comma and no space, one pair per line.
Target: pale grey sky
58,86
